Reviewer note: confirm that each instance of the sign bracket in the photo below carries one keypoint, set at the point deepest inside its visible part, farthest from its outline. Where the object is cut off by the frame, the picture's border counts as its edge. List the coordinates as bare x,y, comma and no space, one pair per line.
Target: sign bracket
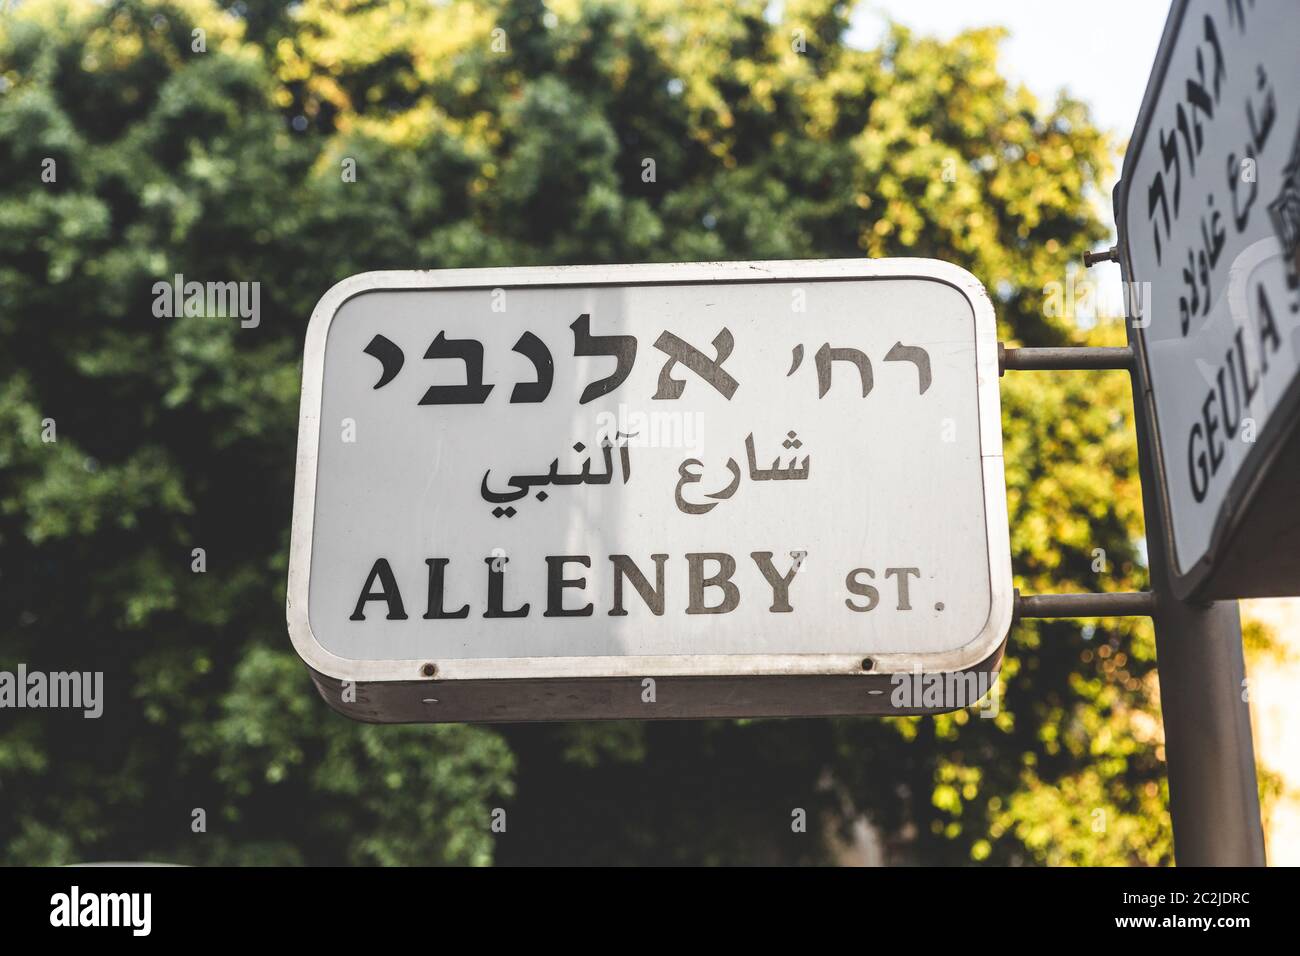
1108,604
1090,259
1064,358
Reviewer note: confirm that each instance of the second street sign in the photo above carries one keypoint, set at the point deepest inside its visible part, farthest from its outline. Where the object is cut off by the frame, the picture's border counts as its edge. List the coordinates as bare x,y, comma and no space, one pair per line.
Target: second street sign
724,489
1209,215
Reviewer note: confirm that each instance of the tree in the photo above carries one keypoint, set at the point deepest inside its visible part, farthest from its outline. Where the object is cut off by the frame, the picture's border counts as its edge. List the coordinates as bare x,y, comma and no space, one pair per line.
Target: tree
506,133
174,435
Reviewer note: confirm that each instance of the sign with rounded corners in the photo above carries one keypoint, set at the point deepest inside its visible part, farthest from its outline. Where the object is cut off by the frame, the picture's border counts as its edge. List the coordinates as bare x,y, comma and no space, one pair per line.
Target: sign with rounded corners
1208,209
714,489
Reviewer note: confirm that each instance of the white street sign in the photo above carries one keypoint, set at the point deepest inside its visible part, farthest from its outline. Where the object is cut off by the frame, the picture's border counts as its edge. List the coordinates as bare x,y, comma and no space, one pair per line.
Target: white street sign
1209,211
594,476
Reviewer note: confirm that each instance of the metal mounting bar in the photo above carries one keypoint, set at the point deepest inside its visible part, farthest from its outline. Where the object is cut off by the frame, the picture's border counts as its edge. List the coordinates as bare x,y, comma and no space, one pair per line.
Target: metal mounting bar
1066,357
1090,259
1114,604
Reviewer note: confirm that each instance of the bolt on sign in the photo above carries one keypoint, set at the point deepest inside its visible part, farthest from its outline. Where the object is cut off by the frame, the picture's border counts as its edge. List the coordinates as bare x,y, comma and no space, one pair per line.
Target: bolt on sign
1209,216
721,489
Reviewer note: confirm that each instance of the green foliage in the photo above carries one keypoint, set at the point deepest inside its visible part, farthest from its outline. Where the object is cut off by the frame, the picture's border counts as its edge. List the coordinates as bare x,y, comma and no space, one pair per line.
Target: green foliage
179,433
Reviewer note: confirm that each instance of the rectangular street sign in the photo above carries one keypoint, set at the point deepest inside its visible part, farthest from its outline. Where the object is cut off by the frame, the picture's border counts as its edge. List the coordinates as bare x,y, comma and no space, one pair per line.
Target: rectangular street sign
716,489
1209,217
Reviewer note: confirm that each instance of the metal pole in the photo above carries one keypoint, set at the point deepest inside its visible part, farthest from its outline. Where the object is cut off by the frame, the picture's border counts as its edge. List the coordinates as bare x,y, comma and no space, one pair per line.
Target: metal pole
1112,604
1213,792
1064,357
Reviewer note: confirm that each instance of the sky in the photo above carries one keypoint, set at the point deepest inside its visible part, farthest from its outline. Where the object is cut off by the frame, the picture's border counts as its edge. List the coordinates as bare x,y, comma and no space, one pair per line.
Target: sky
1101,51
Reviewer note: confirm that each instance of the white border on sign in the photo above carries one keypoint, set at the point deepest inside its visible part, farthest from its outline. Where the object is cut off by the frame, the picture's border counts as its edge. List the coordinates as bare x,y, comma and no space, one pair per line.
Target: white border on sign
1001,593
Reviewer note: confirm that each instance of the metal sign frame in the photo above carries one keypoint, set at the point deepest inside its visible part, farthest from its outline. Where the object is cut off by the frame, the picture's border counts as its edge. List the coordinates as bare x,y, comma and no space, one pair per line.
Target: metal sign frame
1280,436
582,687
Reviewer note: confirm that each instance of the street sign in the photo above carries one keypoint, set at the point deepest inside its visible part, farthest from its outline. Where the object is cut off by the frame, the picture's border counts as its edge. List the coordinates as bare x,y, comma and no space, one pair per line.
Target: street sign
720,489
1209,217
